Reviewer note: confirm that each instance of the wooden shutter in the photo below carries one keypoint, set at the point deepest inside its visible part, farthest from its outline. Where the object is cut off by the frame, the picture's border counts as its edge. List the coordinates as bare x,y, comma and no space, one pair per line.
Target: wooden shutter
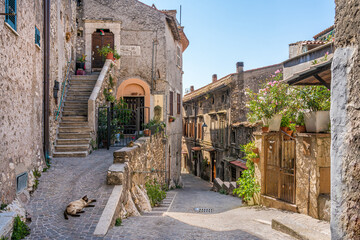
171,103
178,103
10,7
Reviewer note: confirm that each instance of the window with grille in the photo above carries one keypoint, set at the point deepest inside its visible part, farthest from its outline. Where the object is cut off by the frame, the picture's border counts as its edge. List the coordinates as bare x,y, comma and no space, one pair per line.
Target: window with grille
10,8
178,103
37,36
171,103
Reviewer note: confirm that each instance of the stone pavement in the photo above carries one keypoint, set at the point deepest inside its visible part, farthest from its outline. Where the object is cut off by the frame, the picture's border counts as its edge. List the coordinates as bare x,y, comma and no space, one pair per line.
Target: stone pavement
228,219
67,180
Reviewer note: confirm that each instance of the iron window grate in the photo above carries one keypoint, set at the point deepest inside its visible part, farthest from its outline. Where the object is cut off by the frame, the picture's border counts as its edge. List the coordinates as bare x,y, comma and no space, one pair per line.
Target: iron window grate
37,36
10,8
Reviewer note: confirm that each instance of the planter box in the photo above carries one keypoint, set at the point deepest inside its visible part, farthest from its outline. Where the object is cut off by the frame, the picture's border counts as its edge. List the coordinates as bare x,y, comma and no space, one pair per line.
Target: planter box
274,123
317,121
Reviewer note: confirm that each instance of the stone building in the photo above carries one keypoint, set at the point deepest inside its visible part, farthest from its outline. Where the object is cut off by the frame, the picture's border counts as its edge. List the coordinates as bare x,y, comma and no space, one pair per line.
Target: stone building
24,142
345,131
215,124
151,43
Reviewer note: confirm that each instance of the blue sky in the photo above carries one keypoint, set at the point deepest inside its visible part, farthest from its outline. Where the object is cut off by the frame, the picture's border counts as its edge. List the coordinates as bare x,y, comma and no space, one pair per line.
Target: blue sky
256,32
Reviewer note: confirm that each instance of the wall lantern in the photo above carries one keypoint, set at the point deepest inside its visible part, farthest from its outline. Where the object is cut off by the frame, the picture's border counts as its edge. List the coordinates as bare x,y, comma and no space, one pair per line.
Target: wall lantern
56,90
204,125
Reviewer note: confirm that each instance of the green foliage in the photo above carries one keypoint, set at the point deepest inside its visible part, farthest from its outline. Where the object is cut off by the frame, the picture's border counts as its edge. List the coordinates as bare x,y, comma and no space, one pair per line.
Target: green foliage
105,50
155,192
36,173
3,206
248,185
314,98
82,58
93,144
285,121
4,238
111,81
292,126
300,119
271,99
21,230
108,96
118,222
222,191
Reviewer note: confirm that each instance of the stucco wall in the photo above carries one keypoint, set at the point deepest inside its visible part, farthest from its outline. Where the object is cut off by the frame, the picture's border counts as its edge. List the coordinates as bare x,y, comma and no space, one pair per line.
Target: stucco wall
21,94
345,128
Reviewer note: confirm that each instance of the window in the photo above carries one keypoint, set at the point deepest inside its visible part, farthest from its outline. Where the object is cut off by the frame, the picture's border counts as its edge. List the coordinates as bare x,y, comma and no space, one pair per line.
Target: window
171,103
37,36
10,8
178,104
178,57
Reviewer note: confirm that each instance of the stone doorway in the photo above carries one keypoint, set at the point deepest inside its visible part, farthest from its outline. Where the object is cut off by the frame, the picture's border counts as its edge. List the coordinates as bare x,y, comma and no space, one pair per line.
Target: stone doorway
100,38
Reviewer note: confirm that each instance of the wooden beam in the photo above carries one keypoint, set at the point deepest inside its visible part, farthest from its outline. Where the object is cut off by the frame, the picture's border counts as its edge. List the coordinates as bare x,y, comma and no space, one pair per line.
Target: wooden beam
322,81
8,14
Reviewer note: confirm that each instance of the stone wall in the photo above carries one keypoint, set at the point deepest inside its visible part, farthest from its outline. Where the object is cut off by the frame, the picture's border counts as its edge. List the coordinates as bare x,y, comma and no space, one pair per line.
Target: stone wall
345,128
21,97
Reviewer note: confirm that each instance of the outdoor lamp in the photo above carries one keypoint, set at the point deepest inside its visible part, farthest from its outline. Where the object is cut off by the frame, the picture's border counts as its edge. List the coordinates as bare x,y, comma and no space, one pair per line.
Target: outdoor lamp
204,125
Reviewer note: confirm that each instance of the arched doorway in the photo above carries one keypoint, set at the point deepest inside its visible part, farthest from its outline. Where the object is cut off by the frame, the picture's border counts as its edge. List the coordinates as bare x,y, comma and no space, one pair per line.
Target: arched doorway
136,93
100,38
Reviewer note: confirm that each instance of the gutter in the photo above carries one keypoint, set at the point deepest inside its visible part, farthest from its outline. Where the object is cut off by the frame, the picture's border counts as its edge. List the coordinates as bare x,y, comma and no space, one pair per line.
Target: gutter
46,144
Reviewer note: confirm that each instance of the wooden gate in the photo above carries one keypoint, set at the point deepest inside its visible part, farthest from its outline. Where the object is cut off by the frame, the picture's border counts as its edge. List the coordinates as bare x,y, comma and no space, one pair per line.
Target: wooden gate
100,39
280,157
137,103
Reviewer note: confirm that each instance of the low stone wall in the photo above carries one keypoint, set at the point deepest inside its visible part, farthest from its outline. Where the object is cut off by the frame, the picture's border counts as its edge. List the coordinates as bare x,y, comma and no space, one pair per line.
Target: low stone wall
132,168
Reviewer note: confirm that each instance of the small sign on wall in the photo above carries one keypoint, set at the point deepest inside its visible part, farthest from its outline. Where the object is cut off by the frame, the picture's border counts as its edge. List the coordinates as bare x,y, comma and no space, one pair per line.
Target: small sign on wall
132,51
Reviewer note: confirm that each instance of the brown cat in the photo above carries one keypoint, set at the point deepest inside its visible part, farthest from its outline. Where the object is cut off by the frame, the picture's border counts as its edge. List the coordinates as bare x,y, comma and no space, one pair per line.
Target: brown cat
77,206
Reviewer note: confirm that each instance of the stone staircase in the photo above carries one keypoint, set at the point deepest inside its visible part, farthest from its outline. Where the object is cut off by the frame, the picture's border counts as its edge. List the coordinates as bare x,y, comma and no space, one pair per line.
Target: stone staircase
74,133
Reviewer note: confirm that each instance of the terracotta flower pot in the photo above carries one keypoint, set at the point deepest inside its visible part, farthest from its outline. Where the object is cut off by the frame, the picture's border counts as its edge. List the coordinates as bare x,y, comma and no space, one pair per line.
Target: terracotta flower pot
256,150
256,160
110,56
300,129
265,129
147,132
289,132
171,119
284,129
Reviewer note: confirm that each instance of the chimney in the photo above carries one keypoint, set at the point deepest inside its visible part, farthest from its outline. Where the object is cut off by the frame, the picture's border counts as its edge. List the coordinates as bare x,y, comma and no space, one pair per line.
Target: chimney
191,88
239,67
214,78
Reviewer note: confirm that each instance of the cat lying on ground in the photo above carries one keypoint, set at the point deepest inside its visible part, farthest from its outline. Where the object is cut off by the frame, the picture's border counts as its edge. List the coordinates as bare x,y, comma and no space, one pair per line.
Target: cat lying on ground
77,206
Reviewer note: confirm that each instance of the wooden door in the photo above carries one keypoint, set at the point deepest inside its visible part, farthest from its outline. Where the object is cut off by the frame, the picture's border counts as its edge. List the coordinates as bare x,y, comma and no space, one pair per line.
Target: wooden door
135,103
98,41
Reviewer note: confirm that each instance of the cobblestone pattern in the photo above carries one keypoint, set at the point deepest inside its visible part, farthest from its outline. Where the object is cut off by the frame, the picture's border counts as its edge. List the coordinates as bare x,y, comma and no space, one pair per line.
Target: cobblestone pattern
67,180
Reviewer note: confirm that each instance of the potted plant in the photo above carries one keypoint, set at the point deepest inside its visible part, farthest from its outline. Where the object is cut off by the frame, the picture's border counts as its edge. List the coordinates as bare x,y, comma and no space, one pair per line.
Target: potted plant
80,62
285,122
290,130
172,119
147,132
251,152
300,123
317,100
268,103
265,128
108,52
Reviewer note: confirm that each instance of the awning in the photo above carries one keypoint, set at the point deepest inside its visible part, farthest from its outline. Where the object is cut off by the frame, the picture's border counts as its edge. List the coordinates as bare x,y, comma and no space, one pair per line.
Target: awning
196,148
239,164
210,149
184,152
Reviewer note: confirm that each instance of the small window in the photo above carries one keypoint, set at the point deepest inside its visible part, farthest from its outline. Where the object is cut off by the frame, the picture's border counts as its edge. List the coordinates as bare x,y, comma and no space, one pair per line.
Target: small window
10,8
21,181
178,103
171,100
178,57
37,36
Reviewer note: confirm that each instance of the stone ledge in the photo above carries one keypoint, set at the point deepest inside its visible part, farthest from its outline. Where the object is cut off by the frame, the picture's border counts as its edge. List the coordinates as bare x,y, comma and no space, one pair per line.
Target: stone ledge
115,174
276,203
107,217
121,155
6,223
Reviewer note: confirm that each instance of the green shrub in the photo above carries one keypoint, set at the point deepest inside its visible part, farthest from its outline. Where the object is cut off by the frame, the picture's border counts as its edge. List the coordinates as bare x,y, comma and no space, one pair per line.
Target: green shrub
3,206
21,230
155,192
118,222
222,191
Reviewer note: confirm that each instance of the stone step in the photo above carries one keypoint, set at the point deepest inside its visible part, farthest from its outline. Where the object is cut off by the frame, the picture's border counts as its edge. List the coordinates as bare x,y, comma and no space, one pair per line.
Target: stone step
73,141
77,97
75,129
73,135
74,118
71,148
75,113
85,77
73,124
70,154
81,88
78,93
75,103
75,108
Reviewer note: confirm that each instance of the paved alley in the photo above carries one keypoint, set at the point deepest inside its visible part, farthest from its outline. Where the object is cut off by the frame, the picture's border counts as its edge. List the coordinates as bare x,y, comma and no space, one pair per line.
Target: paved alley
67,180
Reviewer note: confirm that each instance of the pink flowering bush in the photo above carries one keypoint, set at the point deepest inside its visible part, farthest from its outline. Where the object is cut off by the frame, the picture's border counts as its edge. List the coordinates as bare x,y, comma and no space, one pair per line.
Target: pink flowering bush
271,99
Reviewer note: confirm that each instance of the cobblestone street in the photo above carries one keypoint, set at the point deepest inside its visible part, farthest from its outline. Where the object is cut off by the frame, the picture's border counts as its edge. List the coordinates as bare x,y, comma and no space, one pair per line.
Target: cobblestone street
67,180
70,179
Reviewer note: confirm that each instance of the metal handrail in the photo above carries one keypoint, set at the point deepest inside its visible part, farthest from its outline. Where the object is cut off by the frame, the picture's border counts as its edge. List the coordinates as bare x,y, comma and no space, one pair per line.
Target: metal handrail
63,89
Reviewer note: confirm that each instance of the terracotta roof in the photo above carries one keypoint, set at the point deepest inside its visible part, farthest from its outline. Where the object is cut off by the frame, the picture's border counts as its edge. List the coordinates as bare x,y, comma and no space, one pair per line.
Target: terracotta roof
323,32
239,164
308,42
223,81
196,148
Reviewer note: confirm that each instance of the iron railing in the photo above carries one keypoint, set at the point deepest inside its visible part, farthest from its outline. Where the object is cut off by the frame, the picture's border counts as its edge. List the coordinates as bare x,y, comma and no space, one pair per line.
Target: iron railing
64,87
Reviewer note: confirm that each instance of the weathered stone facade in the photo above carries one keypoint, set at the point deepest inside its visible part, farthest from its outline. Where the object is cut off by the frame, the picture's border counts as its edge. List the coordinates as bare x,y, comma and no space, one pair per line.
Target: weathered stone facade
345,128
149,42
21,98
209,149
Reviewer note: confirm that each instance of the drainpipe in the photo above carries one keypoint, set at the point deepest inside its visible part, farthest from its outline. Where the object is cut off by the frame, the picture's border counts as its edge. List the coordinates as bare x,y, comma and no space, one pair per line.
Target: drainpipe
46,77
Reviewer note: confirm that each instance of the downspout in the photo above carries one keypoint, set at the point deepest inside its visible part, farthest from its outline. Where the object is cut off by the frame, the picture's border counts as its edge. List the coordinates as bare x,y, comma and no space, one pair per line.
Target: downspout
46,77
